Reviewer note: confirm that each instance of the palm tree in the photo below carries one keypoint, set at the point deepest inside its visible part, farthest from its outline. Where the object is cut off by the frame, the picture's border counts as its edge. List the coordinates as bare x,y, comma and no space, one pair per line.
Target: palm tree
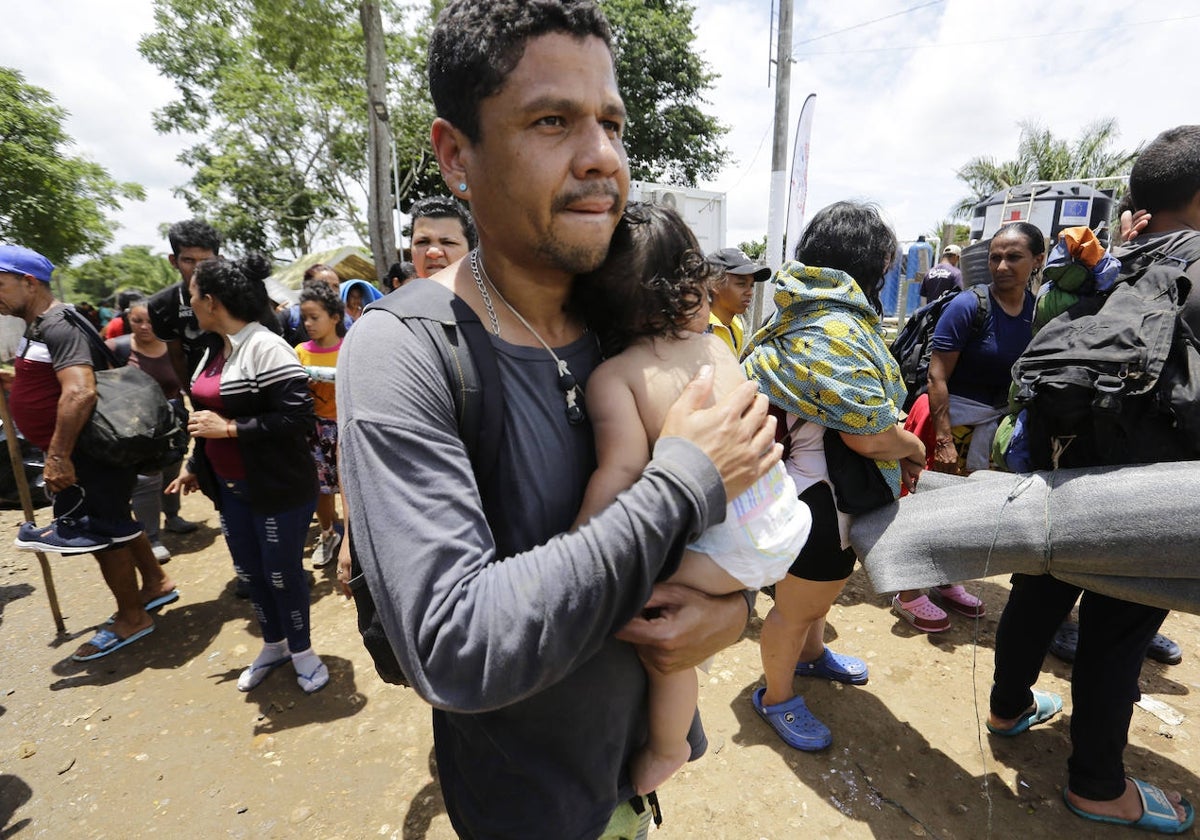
1043,157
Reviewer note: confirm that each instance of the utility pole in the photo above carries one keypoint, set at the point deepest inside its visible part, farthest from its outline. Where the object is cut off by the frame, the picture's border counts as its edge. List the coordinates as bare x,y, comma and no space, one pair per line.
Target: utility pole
777,210
379,142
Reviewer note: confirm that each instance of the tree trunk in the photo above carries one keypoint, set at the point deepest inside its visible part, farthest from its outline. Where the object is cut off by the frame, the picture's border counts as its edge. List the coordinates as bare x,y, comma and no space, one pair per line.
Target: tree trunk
379,141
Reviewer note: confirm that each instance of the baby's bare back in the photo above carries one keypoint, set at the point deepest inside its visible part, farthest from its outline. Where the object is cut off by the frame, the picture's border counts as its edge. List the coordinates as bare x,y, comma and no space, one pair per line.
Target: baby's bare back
656,371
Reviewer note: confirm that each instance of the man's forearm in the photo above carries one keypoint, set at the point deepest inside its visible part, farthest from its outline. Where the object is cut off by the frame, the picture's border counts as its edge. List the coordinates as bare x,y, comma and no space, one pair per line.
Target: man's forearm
74,411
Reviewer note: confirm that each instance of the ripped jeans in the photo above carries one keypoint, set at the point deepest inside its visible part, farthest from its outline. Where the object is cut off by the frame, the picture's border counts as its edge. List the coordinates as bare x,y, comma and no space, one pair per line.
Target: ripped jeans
268,553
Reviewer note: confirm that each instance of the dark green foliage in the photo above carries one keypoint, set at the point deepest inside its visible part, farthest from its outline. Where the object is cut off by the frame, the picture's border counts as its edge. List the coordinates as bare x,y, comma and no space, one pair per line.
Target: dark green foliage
50,201
669,138
132,267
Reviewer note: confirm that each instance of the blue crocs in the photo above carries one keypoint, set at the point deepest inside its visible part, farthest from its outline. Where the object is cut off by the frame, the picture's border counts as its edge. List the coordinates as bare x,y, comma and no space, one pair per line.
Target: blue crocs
835,666
794,723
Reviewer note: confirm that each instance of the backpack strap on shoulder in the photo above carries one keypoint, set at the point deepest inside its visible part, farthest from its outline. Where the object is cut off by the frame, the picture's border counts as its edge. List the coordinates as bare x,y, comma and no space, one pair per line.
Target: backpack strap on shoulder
93,337
984,306
460,340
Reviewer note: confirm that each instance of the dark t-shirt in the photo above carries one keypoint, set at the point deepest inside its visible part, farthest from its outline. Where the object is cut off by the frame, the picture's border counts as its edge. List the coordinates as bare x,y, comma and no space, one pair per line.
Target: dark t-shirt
984,369
941,278
50,344
172,319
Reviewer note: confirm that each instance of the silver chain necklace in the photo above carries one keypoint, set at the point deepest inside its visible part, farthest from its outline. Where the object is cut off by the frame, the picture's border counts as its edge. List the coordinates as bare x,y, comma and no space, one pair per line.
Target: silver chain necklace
567,382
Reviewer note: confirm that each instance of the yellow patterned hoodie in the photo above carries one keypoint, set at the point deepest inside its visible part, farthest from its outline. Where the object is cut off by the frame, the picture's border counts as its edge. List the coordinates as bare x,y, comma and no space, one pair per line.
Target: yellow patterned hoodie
822,356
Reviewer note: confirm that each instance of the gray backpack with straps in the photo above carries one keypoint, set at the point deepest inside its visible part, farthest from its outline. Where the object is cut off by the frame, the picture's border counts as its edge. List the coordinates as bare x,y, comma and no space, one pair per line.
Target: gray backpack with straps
459,339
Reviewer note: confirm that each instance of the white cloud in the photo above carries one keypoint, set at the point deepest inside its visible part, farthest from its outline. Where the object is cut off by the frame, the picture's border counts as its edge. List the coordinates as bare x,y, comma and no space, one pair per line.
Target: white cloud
86,55
901,103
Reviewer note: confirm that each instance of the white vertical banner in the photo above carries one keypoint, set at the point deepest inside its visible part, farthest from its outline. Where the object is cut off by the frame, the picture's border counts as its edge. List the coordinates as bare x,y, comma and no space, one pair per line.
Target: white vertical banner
798,189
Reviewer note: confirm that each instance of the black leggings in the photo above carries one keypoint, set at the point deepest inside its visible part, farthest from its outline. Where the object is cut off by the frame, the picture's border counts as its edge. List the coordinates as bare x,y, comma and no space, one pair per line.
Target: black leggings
1113,637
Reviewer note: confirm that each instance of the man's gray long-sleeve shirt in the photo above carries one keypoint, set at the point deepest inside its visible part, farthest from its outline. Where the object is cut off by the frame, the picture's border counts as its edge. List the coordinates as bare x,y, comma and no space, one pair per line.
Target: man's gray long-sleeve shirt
537,707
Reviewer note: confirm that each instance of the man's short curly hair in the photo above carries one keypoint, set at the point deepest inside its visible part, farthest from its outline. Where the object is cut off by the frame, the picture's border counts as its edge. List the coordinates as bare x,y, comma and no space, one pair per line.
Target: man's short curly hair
476,44
193,233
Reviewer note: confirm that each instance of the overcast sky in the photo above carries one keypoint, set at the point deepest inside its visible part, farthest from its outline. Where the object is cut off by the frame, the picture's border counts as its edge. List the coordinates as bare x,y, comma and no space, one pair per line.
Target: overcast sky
912,91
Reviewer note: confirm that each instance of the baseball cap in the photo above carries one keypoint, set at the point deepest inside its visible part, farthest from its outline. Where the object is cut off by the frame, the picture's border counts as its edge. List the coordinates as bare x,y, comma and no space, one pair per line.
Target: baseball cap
17,260
952,249
733,261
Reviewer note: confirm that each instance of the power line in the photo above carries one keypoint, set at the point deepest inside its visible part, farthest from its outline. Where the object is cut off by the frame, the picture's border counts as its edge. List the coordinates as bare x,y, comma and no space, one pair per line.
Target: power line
1056,34
865,23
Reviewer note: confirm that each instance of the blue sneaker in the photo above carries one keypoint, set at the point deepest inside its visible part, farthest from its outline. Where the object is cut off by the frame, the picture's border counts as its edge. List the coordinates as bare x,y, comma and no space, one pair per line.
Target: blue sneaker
62,536
115,532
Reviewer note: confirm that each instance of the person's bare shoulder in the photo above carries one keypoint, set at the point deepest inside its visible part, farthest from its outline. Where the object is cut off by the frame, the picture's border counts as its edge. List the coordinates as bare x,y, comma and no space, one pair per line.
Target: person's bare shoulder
726,368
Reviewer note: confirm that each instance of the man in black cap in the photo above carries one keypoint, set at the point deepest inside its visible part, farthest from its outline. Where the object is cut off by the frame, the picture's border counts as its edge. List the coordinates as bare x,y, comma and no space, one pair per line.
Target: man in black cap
732,295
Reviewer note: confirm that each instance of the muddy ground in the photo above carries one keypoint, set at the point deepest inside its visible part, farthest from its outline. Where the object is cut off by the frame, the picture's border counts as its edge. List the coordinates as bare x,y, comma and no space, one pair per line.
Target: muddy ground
155,740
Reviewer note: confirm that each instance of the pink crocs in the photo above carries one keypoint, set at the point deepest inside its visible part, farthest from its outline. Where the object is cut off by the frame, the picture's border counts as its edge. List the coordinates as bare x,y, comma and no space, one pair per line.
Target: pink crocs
961,601
922,614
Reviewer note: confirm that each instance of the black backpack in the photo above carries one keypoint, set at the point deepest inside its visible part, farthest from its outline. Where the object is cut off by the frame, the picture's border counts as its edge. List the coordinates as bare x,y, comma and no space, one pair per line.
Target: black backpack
460,340
1116,378
912,348
132,423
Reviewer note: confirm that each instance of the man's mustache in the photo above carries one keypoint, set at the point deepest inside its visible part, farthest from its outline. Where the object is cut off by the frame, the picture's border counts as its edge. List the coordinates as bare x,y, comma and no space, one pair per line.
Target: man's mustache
564,201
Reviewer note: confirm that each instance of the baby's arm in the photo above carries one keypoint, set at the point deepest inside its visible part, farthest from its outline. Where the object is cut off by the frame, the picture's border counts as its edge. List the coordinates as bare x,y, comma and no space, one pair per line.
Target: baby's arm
622,450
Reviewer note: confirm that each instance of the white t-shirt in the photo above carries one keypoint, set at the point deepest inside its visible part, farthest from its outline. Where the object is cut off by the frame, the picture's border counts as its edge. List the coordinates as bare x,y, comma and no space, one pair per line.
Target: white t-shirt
806,463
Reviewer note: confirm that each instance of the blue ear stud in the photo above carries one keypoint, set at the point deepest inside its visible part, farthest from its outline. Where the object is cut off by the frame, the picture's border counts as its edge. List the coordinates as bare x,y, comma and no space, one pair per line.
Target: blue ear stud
462,186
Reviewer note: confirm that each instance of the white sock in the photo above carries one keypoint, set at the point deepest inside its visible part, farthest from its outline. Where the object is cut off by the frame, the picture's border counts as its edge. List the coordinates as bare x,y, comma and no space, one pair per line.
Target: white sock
271,652
311,672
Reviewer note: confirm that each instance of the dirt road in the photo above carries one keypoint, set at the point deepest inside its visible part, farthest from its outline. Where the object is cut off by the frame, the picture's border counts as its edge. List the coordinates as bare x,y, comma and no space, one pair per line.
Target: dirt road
155,740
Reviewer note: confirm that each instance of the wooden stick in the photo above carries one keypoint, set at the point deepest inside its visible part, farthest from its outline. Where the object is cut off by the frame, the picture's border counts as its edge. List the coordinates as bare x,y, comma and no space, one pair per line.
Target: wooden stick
18,468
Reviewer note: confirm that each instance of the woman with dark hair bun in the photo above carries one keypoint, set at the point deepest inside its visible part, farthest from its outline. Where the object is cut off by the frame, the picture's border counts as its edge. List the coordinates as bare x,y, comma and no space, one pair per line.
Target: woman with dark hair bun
251,457
822,362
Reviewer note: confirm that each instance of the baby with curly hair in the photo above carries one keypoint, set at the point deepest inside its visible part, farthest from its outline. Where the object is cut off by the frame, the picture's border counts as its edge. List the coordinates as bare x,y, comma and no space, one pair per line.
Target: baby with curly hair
652,293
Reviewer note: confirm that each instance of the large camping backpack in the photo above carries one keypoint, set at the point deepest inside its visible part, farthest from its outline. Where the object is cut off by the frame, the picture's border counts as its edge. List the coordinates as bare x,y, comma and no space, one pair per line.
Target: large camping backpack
912,347
1116,378
459,339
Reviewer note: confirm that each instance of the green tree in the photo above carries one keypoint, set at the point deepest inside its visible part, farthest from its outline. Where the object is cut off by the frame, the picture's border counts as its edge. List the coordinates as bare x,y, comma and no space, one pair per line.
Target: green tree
51,201
275,89
132,267
1043,157
669,138
755,250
